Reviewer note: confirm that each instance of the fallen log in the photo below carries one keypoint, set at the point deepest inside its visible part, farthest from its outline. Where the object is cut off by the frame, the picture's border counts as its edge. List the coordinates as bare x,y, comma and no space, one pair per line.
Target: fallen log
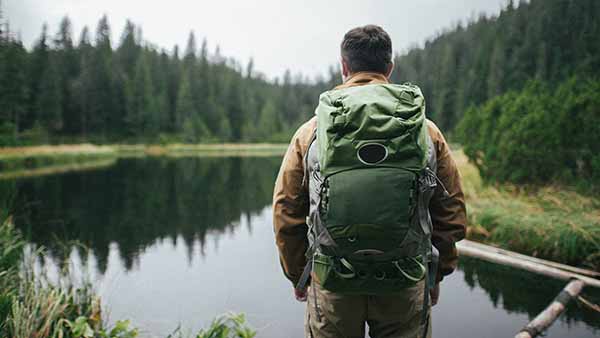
540,323
580,271
484,252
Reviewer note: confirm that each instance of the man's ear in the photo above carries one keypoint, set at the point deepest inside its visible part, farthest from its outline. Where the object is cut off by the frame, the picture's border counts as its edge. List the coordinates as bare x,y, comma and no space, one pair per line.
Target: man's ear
390,70
345,68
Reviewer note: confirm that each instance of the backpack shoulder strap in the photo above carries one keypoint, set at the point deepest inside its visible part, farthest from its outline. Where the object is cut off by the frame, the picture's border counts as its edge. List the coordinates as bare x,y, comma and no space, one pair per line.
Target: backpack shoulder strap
313,138
303,282
432,155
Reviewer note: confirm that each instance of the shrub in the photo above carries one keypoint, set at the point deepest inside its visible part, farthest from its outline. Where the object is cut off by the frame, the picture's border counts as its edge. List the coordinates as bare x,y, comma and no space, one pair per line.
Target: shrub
537,135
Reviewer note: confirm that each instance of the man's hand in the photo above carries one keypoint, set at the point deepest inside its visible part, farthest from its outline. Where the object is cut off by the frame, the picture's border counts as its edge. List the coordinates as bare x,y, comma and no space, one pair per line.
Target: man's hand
435,294
300,295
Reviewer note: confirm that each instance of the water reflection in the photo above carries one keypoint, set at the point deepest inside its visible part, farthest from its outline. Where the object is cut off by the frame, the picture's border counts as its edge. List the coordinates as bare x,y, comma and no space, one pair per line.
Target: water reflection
142,217
139,201
518,291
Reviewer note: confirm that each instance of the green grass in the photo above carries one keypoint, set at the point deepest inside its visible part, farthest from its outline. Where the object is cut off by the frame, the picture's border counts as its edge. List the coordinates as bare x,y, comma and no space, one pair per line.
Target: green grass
551,222
33,306
230,325
11,252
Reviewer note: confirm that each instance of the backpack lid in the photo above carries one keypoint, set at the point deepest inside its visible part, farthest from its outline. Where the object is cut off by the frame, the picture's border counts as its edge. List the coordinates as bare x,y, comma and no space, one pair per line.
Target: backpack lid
375,124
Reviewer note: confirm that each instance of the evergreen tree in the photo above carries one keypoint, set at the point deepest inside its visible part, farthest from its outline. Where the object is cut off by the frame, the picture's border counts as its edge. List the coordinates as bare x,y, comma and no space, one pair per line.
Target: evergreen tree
83,86
100,119
173,82
37,68
231,124
13,89
185,108
67,68
49,103
160,81
2,30
268,122
142,115
129,49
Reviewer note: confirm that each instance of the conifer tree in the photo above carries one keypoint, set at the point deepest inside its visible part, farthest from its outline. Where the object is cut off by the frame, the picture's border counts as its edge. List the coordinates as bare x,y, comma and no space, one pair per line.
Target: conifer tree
83,86
49,103
37,67
145,118
13,88
185,108
268,122
173,83
67,68
100,119
129,49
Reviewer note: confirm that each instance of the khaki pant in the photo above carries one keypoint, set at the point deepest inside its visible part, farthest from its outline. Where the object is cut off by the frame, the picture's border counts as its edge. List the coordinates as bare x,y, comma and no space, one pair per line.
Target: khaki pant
344,316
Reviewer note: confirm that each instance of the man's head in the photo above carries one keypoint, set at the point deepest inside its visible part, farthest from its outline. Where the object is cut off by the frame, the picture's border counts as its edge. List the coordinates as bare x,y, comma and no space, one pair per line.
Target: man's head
367,49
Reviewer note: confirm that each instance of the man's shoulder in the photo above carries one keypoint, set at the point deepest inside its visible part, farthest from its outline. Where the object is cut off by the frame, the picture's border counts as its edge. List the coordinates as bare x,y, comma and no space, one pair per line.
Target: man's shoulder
304,134
436,134
308,126
305,131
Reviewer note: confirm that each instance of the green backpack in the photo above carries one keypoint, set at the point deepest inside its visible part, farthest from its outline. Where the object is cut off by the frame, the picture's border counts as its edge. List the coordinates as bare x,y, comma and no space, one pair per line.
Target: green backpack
370,170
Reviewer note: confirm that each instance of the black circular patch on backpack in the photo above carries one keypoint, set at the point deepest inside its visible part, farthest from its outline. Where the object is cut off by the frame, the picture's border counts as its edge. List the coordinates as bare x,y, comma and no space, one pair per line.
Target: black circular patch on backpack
372,153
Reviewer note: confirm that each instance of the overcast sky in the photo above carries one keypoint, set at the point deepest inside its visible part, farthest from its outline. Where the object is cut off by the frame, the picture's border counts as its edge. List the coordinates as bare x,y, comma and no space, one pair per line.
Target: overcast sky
300,35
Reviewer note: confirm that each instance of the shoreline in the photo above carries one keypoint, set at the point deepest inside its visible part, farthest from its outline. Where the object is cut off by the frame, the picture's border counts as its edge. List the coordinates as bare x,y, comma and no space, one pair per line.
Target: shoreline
18,162
118,149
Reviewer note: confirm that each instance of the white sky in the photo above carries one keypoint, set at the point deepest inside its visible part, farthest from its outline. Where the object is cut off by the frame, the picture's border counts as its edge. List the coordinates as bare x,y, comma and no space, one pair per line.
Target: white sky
300,35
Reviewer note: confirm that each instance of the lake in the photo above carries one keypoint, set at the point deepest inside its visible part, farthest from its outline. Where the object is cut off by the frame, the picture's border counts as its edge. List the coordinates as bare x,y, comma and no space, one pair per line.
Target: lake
177,241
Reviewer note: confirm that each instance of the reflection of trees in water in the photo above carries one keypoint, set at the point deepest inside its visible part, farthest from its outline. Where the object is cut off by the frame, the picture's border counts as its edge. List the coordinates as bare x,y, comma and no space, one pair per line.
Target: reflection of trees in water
139,201
522,292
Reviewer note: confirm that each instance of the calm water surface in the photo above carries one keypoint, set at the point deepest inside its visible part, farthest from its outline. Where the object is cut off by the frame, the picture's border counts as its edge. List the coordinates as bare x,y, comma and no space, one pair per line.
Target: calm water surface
176,242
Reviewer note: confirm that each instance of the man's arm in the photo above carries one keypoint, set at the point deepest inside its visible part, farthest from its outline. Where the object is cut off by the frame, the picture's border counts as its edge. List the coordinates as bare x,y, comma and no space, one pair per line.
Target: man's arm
448,213
290,206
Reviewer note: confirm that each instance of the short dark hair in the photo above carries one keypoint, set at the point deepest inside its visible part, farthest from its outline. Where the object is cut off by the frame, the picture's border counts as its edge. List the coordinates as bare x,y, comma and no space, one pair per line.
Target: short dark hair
367,48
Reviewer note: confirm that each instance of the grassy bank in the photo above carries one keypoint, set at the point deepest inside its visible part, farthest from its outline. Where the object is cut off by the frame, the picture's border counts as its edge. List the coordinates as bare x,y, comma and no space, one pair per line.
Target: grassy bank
30,161
551,222
58,168
116,149
27,161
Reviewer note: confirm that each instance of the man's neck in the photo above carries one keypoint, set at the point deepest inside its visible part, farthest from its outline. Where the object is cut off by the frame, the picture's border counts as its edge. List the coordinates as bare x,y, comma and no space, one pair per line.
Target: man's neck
363,78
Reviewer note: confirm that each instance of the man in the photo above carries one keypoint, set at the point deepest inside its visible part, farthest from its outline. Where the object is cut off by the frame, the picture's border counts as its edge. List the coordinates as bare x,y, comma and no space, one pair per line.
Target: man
339,309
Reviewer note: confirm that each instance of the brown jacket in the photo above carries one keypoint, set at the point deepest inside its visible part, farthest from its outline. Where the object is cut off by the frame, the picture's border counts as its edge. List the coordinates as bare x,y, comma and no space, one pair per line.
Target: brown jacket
290,198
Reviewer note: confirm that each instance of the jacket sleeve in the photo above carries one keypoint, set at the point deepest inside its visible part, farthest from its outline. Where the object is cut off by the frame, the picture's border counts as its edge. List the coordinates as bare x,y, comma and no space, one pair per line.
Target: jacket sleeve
448,213
290,208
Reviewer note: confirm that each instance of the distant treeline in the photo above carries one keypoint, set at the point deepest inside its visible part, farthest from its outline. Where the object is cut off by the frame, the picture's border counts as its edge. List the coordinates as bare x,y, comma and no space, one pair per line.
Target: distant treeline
546,40
102,91
132,90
